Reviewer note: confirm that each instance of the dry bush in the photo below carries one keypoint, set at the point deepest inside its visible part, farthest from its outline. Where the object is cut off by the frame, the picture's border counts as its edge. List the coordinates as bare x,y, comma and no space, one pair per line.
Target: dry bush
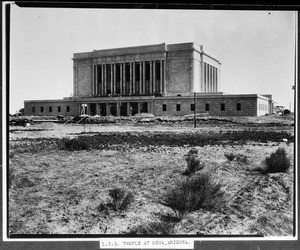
193,163
229,156
277,162
153,228
193,194
121,198
241,158
74,144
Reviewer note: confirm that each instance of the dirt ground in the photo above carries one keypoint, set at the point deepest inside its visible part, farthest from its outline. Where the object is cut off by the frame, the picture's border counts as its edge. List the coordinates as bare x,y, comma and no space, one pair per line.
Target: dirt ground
54,191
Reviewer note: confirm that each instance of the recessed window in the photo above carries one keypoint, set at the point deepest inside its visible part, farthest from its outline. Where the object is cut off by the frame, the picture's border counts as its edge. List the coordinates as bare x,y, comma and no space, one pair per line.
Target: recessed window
58,109
222,106
68,108
50,109
42,109
206,106
238,107
192,106
178,107
33,109
164,107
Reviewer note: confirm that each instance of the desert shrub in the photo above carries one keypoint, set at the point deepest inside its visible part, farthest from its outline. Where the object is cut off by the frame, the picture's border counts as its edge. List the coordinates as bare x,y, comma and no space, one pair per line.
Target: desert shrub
241,158
24,182
229,156
277,162
193,163
74,144
153,228
121,198
194,193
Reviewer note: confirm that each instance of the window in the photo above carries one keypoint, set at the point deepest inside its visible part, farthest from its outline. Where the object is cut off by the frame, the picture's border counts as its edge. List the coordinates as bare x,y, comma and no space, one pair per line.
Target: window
68,108
238,106
42,109
206,106
33,109
178,107
50,109
58,109
222,106
164,107
192,106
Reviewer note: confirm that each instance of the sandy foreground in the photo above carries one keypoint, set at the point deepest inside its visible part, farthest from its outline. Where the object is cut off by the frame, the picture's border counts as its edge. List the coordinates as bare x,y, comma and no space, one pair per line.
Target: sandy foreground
54,191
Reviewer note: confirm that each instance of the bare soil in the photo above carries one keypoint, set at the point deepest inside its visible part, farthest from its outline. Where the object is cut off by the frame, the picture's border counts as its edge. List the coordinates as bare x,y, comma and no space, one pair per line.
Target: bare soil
55,191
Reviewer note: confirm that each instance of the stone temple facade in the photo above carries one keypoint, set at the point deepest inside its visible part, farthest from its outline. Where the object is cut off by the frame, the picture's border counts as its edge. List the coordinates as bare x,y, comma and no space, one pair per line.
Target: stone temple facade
160,79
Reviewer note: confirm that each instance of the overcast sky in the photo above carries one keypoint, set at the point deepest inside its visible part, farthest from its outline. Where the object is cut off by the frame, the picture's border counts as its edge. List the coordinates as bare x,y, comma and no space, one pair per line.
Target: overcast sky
256,48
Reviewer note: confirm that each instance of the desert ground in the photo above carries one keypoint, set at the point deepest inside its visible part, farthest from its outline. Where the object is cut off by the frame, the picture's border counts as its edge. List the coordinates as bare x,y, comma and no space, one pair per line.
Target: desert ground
53,190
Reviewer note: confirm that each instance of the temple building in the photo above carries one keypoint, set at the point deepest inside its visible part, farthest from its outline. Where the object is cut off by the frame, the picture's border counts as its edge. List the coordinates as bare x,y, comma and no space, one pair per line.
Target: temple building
162,79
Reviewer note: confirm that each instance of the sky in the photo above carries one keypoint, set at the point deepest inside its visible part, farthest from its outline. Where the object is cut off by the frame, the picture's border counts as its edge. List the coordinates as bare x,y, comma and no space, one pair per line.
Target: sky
256,48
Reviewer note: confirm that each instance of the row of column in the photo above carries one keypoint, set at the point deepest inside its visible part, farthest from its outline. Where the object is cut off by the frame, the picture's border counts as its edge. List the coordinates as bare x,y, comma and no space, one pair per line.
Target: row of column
145,77
115,109
210,78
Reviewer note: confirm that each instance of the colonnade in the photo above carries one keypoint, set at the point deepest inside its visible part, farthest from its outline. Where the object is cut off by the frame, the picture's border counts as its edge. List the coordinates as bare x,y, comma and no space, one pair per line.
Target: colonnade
210,74
128,78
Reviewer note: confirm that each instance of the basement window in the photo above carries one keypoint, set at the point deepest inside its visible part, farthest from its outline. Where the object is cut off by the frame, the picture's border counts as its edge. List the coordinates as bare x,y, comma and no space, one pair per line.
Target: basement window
178,107
164,107
222,106
33,109
192,106
42,109
58,109
68,108
50,109
238,107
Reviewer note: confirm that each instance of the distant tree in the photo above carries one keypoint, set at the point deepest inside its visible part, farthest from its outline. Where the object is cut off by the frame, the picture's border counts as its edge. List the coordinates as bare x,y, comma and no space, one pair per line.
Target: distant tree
286,112
20,112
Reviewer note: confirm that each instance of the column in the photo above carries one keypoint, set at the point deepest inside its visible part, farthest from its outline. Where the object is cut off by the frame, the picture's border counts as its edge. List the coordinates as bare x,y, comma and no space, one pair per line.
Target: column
144,77
114,78
105,82
96,79
210,78
97,108
130,77
124,79
154,76
128,108
102,79
151,78
161,76
121,78
111,78
118,109
164,81
133,78
206,76
141,79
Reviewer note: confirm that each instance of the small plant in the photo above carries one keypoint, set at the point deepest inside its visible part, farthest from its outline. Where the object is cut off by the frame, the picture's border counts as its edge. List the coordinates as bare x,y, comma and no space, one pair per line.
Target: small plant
277,162
241,158
153,228
121,198
193,163
230,156
194,193
74,144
